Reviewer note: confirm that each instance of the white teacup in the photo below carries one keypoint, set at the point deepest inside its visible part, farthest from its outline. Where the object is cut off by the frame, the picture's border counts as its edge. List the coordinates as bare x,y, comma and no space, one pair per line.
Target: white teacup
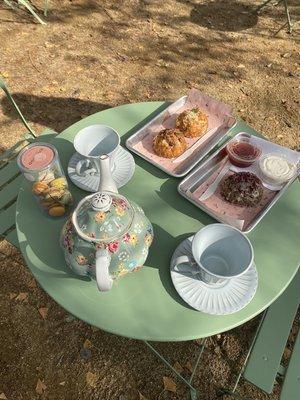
91,143
220,252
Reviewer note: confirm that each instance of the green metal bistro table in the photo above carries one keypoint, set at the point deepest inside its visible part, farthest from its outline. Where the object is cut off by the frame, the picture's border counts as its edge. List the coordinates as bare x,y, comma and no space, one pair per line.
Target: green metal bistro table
145,305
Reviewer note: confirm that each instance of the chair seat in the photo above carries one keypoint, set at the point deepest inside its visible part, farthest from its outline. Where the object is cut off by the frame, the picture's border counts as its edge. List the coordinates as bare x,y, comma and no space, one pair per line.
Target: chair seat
291,384
265,358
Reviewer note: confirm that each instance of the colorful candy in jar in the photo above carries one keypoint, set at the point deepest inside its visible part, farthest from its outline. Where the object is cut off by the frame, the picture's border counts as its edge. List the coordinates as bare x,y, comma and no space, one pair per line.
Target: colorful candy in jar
41,167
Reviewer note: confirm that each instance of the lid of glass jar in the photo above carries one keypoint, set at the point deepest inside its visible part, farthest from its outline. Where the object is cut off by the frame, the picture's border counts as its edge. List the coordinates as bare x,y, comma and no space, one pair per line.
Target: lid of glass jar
36,156
104,216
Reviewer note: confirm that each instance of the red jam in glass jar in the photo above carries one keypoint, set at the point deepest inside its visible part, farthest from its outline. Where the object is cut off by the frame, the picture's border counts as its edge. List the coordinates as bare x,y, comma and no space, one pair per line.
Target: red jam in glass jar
242,153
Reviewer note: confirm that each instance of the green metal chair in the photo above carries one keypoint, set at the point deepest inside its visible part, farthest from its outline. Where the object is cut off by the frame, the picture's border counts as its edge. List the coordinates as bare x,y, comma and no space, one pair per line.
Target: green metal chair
29,7
10,177
263,362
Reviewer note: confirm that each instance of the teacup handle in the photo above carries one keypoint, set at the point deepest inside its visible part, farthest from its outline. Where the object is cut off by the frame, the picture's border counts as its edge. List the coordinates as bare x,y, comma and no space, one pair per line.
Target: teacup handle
190,268
104,281
85,163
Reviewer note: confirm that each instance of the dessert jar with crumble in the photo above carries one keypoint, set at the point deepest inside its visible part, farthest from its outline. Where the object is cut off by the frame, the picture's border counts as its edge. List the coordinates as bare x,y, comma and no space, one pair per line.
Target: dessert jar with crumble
40,166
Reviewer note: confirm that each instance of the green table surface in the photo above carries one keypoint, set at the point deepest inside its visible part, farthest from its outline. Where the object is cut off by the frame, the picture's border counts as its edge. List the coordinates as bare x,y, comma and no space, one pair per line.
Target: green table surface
145,305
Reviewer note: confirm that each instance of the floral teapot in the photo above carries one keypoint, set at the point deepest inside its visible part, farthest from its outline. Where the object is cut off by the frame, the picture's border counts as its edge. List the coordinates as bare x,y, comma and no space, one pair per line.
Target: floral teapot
107,235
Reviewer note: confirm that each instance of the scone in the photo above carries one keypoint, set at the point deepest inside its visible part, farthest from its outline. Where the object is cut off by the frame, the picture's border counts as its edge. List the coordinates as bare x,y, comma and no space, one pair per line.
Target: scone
169,143
242,189
192,123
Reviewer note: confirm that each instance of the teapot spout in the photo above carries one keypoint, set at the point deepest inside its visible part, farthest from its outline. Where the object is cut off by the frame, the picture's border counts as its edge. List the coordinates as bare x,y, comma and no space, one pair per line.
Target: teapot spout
107,182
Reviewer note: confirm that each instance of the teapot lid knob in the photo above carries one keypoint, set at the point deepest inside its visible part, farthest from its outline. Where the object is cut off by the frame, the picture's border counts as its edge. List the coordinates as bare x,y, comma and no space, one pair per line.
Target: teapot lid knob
101,201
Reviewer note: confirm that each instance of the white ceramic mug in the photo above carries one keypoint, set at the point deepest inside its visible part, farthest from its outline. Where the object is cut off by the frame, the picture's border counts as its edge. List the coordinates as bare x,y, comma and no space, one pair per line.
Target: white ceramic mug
220,252
91,143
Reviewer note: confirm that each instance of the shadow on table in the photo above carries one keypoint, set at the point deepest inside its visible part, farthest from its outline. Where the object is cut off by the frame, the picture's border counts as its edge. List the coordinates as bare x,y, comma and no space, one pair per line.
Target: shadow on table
56,113
160,257
168,192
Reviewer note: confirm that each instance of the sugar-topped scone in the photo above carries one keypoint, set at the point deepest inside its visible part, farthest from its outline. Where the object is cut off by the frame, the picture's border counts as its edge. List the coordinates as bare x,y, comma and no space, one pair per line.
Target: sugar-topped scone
169,143
192,123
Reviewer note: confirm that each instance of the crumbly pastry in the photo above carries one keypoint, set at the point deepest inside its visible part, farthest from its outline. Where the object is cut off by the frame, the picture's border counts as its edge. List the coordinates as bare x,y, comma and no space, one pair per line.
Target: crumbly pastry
169,143
192,123
242,188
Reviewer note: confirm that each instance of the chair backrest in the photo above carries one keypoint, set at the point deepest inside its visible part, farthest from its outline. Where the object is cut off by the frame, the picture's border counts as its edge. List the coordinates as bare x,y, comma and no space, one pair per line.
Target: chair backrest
10,177
10,98
10,182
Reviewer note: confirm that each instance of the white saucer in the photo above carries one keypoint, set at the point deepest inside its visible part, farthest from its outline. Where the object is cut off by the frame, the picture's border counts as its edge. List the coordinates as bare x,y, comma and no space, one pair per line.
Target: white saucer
122,172
216,299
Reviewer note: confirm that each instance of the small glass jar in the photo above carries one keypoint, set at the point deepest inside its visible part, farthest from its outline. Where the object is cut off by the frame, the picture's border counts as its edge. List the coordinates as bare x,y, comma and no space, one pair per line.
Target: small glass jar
40,166
276,170
241,152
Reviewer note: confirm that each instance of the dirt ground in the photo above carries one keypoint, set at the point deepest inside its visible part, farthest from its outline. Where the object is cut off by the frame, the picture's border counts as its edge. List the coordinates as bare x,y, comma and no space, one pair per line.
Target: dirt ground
97,54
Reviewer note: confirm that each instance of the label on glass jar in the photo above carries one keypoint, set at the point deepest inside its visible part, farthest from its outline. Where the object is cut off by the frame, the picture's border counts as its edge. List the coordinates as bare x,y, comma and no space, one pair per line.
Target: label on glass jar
37,157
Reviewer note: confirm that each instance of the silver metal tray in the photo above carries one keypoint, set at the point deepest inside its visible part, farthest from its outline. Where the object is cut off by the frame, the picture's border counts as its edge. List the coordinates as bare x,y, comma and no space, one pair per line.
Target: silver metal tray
203,172
197,152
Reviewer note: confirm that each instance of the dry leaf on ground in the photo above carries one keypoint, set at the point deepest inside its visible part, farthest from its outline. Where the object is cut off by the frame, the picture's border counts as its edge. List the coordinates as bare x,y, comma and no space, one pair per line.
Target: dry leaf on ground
91,379
4,74
40,387
142,397
12,296
22,296
189,366
2,396
169,384
43,312
178,367
32,284
87,344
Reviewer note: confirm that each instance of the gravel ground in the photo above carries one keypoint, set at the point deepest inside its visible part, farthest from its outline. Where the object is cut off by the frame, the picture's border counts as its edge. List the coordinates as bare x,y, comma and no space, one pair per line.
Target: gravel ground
97,54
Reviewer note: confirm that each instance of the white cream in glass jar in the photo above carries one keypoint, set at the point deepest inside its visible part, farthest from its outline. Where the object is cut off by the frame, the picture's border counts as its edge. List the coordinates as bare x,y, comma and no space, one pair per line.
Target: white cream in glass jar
276,169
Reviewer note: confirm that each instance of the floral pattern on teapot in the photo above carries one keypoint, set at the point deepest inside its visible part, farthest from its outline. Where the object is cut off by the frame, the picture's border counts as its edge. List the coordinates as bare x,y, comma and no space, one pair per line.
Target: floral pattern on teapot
128,252
107,235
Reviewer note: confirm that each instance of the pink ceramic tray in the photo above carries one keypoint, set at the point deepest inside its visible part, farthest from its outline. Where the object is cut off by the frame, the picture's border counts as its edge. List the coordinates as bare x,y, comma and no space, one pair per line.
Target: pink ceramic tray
220,120
243,218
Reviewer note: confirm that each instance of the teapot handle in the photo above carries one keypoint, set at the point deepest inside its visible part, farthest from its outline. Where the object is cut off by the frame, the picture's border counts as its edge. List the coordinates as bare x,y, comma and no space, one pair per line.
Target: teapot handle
104,281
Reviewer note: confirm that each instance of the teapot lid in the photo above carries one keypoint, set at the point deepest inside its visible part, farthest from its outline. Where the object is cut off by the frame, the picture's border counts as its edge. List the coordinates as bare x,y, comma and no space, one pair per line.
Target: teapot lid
102,217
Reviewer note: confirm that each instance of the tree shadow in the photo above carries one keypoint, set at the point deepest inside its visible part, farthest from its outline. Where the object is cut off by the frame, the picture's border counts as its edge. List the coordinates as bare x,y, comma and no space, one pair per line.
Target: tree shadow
56,113
217,15
68,12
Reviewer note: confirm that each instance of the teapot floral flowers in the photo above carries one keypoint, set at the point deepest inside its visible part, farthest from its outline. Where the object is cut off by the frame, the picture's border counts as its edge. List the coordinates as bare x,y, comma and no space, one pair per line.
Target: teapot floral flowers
107,235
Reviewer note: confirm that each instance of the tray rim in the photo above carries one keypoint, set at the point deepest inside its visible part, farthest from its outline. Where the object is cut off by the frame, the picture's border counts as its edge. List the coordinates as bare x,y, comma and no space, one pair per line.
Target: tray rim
218,217
197,161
